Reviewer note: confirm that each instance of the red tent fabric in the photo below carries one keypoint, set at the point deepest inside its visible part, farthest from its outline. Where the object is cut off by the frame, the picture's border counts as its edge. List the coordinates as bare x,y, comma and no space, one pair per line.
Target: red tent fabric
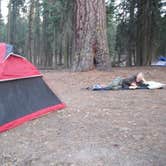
17,67
13,66
24,94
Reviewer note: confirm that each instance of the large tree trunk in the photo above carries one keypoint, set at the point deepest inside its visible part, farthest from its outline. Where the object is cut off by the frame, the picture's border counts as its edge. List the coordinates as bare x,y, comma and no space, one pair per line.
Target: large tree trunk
131,40
44,35
12,22
30,31
37,33
147,29
91,47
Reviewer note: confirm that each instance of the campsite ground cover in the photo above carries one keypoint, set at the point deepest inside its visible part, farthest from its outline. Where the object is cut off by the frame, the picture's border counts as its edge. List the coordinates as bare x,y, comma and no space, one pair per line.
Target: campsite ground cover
106,128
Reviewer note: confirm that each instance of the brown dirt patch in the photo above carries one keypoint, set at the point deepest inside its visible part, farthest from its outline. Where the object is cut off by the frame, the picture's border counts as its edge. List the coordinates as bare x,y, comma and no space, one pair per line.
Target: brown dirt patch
106,128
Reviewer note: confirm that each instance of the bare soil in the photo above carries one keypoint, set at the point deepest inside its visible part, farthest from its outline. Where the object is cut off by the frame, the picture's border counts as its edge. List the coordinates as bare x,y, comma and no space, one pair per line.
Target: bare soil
97,128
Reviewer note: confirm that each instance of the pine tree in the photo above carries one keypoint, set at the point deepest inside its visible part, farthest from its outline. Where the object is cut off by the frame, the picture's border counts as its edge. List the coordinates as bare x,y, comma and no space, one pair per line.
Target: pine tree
91,46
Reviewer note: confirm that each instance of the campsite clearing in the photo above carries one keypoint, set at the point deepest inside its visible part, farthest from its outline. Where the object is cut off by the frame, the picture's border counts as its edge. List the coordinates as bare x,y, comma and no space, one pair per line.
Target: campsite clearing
97,128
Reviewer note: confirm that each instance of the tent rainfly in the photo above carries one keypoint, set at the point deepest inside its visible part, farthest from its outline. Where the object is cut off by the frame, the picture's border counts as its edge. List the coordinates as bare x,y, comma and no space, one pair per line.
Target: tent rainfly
23,93
161,62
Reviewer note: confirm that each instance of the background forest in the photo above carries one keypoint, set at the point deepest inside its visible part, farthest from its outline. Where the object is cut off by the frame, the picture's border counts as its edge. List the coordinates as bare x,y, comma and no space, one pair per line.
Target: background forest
46,32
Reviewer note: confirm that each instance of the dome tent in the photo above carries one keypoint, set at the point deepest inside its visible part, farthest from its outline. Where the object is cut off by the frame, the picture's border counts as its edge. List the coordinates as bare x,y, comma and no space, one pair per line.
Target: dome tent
24,94
160,62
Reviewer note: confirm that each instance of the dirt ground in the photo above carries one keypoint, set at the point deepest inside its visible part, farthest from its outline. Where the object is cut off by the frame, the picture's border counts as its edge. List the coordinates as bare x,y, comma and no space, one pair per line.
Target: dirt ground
106,128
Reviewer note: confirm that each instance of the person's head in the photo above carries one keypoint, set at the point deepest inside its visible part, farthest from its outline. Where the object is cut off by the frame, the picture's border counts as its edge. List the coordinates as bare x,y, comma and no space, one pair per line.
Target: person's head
140,77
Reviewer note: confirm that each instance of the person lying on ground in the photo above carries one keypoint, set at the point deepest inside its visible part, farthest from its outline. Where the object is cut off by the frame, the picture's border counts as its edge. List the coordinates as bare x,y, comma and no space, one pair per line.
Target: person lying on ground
132,82
136,81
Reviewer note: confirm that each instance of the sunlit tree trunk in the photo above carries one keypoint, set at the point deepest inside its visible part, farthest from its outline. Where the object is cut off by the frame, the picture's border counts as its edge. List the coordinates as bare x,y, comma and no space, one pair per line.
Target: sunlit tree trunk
91,47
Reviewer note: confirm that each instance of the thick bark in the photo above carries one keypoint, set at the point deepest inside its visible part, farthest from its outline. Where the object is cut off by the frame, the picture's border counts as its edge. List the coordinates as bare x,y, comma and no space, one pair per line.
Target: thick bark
91,47
148,13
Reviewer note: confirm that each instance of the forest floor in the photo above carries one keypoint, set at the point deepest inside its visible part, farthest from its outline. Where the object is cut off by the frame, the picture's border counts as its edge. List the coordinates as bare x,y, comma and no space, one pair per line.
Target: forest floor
97,128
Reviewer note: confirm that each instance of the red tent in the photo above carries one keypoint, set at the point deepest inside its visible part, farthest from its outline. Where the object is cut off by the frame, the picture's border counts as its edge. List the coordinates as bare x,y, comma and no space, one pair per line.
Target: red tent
24,95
